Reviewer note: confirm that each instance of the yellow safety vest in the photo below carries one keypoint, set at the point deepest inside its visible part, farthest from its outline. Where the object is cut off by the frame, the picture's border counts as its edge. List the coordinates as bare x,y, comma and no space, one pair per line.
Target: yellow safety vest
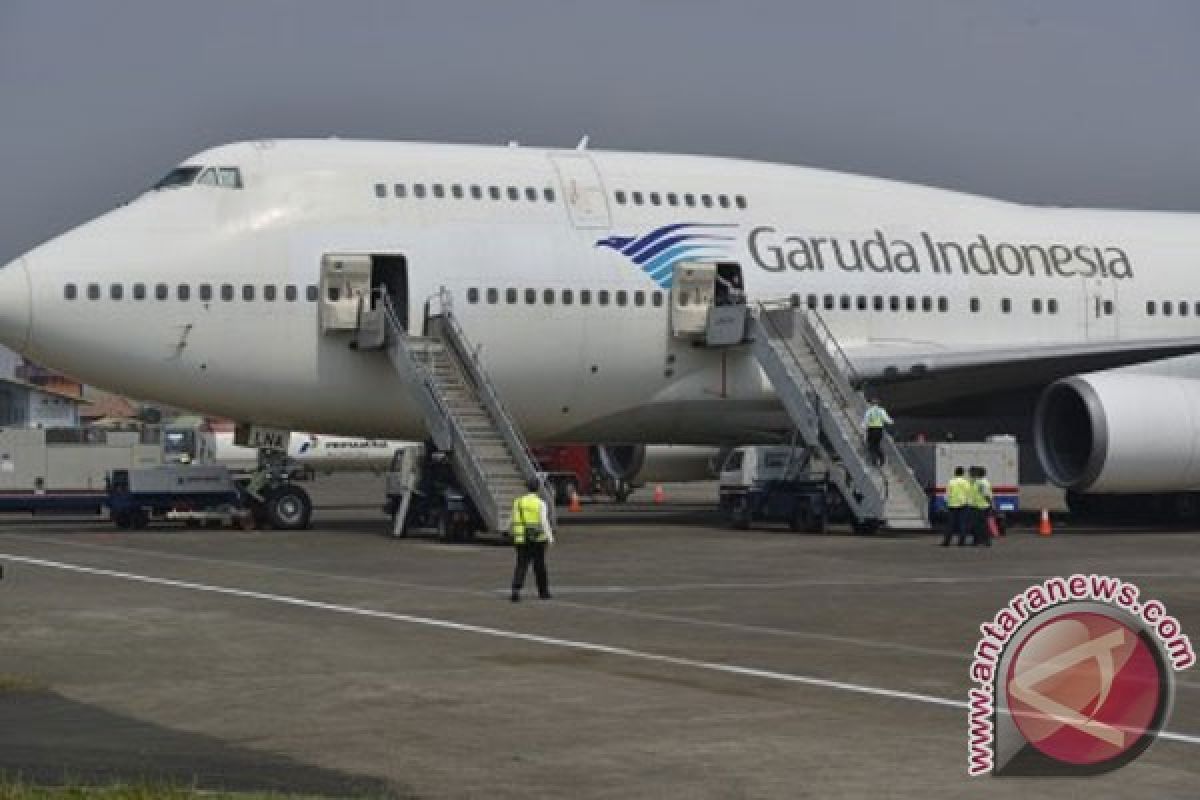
981,491
876,417
957,491
527,513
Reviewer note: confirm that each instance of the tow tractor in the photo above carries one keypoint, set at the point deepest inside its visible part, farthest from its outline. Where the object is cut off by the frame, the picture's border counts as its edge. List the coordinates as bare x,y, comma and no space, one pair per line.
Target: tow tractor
191,493
212,494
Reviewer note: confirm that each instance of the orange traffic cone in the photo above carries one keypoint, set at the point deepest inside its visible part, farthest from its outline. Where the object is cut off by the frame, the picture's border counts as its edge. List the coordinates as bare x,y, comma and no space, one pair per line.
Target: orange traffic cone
1044,528
659,495
573,503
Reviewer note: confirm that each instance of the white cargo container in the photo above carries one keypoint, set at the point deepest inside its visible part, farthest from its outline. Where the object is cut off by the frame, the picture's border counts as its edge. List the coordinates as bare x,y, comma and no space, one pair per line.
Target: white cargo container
64,469
933,463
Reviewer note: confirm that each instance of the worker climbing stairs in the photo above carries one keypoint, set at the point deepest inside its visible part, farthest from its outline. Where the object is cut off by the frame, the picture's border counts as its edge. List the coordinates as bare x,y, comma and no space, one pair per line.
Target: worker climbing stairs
815,382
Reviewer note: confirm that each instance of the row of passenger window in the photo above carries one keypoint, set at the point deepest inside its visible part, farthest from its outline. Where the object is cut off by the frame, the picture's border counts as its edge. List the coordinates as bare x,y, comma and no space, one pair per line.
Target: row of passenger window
687,199
911,302
1182,308
458,191
566,297
204,292
439,191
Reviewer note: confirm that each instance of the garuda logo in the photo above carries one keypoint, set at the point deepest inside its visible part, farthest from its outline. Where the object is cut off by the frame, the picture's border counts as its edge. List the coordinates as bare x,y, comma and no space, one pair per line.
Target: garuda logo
656,253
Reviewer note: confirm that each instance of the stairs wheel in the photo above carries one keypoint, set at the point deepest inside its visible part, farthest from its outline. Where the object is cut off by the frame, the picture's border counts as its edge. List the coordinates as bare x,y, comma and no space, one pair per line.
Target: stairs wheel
807,520
739,515
452,530
866,527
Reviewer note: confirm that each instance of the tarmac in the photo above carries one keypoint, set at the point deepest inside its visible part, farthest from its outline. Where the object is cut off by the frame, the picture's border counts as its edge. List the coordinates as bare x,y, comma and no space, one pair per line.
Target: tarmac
678,658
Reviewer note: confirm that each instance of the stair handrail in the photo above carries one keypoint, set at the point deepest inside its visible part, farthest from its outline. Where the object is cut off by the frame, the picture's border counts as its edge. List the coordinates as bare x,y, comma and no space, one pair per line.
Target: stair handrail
830,352
459,440
478,376
829,375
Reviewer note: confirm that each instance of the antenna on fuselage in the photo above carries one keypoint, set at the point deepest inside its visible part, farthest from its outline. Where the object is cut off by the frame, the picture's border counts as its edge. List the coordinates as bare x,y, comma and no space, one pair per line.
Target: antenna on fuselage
583,143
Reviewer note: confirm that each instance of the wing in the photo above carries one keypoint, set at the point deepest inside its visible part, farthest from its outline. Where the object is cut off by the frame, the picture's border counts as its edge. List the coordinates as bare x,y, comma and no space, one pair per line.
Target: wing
922,375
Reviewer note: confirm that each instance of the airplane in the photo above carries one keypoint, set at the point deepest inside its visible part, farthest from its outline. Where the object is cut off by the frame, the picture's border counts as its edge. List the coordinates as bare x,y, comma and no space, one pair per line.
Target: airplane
203,292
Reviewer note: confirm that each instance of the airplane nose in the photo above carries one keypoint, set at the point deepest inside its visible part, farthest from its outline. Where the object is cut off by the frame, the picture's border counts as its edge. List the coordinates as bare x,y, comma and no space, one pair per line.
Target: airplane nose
15,302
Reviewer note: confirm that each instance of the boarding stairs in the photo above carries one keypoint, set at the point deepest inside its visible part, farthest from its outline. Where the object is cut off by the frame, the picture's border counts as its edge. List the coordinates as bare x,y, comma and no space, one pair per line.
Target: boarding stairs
815,382
462,409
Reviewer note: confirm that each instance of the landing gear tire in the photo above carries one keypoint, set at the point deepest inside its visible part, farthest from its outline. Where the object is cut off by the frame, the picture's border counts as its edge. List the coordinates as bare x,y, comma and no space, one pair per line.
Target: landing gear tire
288,508
622,491
122,519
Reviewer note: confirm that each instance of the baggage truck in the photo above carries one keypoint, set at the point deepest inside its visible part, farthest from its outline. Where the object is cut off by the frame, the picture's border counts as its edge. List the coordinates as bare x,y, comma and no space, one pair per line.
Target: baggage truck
933,464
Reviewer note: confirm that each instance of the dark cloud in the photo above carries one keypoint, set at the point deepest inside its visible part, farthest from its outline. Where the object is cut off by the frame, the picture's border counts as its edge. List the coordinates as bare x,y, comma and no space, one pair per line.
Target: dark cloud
1078,102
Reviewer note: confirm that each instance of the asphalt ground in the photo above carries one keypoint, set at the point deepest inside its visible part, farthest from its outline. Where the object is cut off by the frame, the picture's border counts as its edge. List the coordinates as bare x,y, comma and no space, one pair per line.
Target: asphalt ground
678,658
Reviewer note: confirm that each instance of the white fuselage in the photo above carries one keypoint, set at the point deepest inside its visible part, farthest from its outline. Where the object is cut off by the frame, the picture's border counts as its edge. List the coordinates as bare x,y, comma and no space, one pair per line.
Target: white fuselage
905,268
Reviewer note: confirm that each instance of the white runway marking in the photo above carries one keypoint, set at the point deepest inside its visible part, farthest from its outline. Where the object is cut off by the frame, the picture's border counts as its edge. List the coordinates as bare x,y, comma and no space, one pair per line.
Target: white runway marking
562,592
571,644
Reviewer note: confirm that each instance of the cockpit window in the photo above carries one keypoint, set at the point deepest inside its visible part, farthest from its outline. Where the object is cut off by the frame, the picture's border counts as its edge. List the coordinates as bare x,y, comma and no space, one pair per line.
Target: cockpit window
180,176
221,177
229,177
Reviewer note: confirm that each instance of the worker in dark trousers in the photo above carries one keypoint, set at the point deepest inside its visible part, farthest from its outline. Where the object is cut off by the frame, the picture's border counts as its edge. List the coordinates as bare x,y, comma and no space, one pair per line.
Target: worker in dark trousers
981,491
874,421
958,492
531,536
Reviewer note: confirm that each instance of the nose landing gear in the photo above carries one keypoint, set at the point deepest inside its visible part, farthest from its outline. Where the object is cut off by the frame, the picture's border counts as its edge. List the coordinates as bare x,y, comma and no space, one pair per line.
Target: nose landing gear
274,501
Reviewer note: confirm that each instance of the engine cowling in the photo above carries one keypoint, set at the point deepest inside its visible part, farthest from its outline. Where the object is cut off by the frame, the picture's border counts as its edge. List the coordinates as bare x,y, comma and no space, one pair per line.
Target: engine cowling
1120,433
638,464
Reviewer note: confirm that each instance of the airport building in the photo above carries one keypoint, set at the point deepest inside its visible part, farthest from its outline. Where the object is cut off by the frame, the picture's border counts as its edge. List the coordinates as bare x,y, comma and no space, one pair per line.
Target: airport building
25,405
34,397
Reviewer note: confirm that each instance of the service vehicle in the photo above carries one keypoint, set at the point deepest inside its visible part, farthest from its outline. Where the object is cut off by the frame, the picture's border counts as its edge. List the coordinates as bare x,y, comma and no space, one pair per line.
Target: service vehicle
63,470
422,491
933,465
778,484
190,492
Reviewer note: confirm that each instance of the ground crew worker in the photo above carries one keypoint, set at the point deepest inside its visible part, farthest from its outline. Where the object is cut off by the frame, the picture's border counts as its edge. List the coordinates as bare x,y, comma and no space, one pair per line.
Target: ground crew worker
979,506
531,535
958,492
874,420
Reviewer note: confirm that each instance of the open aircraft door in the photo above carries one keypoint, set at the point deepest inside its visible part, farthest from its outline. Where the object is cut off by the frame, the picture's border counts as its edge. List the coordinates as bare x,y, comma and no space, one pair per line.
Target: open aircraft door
693,290
1100,308
350,284
582,190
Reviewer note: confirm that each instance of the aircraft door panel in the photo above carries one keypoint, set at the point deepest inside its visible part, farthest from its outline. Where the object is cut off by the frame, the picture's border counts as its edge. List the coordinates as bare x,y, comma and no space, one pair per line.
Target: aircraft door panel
582,190
693,292
345,283
1100,308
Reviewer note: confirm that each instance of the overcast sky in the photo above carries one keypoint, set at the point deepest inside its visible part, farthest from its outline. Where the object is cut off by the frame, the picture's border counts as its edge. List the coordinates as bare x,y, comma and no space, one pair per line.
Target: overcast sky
1067,102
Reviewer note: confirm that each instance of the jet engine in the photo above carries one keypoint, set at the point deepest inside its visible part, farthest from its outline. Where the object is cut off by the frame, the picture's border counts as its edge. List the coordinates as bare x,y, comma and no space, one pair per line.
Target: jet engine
638,464
1120,433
